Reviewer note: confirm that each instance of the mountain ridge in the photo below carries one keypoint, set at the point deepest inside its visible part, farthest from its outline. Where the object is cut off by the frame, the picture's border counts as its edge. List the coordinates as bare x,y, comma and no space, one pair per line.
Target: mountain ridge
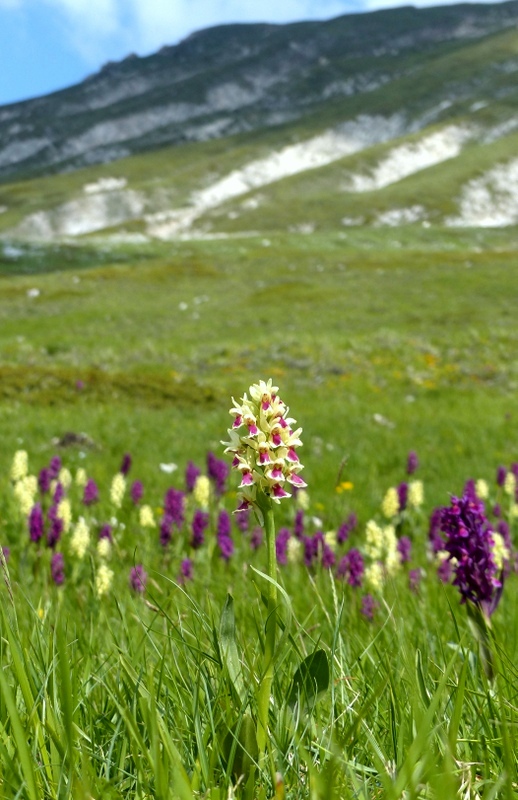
230,79
415,123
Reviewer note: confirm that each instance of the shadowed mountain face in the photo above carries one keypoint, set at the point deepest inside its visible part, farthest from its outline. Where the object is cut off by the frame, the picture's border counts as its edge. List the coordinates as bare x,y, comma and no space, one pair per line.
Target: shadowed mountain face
236,79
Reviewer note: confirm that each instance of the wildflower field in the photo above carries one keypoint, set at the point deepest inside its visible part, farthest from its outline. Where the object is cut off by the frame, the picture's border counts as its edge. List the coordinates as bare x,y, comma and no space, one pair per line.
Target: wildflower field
313,596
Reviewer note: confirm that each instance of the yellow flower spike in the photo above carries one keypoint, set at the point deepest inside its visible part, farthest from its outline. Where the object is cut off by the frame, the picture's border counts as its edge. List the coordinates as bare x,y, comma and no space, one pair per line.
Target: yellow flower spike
390,504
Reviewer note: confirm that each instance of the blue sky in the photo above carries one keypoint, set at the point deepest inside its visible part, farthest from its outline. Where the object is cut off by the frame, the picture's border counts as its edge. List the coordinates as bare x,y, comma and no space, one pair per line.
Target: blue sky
49,44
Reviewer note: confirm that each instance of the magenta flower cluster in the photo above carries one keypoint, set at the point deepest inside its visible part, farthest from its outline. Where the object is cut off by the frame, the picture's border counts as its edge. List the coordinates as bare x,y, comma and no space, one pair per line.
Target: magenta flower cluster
467,538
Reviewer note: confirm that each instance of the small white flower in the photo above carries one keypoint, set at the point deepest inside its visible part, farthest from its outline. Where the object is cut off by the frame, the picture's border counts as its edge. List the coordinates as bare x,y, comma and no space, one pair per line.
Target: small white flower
168,468
374,540
374,576
482,489
118,489
501,553
103,580
302,499
330,539
81,477
201,491
20,465
146,517
65,478
64,513
293,550
25,492
415,494
510,484
390,504
80,538
104,547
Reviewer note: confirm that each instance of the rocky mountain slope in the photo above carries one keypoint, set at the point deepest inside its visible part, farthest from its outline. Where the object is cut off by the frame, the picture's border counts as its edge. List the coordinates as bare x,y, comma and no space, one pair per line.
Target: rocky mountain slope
392,117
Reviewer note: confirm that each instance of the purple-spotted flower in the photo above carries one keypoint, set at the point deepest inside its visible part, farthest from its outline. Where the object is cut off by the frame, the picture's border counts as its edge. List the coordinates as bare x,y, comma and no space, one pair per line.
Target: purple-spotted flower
444,570
44,480
59,493
264,445
54,467
191,474
57,568
56,526
298,524
501,473
469,542
256,539
402,493
174,506
36,523
404,547
138,579
125,464
328,556
412,462
345,530
281,546
434,531
414,579
90,493
226,546
185,571
243,520
136,492
217,470
166,530
351,567
369,606
200,522
106,532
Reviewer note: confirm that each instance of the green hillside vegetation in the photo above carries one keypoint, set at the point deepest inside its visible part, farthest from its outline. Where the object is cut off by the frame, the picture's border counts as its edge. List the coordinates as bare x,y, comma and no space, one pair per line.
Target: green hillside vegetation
352,324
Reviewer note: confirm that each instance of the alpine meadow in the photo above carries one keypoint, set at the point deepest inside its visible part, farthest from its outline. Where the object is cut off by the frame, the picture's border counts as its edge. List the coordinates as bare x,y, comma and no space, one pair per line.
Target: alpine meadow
313,227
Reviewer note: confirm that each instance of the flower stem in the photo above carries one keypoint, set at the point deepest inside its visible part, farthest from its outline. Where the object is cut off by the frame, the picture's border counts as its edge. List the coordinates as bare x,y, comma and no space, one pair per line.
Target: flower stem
265,685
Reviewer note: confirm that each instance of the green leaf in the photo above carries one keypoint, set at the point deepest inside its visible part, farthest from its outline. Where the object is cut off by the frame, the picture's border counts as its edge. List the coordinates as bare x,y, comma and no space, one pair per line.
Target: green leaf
241,741
310,679
227,636
23,754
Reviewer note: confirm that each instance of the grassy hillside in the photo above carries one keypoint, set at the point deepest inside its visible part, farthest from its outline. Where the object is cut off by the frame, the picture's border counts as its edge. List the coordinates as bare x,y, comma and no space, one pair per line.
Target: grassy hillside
417,327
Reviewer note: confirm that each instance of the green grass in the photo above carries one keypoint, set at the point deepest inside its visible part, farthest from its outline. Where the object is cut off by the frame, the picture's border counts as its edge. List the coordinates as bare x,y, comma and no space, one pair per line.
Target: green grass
381,342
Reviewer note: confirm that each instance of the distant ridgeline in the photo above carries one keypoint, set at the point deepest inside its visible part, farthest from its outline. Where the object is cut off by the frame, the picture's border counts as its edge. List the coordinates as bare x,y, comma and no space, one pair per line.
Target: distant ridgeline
235,78
383,96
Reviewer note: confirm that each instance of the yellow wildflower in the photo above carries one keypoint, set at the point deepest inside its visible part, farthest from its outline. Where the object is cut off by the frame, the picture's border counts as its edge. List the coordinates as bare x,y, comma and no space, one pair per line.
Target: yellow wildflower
20,465
80,538
390,504
415,494
103,580
146,517
201,491
117,489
